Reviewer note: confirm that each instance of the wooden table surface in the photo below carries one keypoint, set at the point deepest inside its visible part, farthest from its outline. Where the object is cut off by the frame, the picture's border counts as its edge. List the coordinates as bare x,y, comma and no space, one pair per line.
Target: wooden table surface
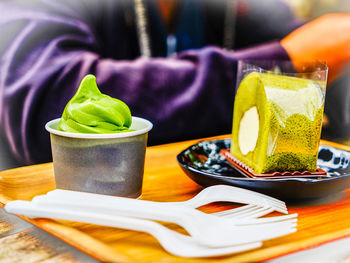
165,181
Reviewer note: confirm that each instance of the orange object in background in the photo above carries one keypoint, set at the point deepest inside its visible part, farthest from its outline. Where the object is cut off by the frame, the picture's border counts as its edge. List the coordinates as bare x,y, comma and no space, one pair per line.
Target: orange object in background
326,38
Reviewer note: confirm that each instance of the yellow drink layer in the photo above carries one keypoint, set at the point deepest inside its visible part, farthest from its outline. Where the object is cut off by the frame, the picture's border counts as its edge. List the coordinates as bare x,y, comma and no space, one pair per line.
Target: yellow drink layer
277,122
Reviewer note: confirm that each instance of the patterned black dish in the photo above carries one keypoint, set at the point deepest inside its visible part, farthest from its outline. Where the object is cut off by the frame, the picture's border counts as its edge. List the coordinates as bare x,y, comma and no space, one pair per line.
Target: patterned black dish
203,164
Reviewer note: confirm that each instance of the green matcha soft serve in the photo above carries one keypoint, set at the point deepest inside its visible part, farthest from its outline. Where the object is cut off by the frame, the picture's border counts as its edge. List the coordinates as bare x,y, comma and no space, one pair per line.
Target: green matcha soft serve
90,111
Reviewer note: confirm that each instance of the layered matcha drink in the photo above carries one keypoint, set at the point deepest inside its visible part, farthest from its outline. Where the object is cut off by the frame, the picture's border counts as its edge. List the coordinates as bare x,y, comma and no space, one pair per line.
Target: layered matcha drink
277,122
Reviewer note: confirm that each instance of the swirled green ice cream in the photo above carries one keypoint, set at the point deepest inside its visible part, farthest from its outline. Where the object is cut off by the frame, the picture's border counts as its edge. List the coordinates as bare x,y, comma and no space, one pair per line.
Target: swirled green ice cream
90,111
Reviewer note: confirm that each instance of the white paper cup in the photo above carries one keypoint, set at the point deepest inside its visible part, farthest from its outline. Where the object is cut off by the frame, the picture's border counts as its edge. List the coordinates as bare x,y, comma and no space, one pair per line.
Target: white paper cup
110,164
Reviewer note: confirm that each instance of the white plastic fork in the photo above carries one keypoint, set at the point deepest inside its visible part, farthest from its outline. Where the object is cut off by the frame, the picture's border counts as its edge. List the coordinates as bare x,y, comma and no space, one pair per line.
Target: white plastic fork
207,229
173,242
247,211
249,214
219,193
258,204
225,193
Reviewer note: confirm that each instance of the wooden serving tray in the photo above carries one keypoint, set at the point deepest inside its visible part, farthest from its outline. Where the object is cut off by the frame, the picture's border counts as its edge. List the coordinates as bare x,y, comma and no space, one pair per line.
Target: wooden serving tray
164,180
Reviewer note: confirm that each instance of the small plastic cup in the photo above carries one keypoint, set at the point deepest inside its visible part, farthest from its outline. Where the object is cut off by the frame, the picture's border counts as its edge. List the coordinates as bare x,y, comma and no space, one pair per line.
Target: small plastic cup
111,164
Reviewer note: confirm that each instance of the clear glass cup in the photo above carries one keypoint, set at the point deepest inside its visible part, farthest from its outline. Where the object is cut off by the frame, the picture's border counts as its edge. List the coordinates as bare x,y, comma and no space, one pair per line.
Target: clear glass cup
110,164
278,113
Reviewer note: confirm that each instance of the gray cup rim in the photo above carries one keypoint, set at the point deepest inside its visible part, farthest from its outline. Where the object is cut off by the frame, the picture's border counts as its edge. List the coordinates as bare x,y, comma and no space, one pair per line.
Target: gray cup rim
146,126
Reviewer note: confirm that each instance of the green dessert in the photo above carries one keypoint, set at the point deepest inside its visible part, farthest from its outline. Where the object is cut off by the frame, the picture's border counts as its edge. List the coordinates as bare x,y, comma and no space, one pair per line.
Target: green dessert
90,111
277,122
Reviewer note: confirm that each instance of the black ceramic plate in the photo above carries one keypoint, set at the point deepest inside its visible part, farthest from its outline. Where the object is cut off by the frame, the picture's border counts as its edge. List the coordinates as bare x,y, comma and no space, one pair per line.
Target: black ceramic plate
203,164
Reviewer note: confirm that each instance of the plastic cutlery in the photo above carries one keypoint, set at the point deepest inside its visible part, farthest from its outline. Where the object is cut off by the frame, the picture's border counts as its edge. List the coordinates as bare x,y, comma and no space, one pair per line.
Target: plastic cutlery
207,229
173,242
225,193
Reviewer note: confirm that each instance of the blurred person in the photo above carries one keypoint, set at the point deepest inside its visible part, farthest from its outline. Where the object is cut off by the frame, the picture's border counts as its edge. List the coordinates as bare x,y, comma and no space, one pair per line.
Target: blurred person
47,47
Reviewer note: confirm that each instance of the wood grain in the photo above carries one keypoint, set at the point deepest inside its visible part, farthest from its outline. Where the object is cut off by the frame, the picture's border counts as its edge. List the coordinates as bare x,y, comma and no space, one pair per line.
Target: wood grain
20,241
165,181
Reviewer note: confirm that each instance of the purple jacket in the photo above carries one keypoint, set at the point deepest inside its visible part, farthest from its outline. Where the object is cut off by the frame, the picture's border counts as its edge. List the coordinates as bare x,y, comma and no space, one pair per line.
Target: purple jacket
46,52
